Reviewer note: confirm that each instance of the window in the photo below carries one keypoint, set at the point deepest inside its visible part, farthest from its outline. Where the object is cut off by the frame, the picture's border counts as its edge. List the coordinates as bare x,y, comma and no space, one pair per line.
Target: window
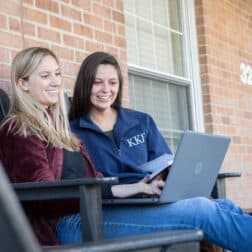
160,74
154,37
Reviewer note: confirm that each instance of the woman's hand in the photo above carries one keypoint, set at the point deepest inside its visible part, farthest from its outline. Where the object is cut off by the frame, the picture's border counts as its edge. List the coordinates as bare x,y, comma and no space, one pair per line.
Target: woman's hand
142,187
152,188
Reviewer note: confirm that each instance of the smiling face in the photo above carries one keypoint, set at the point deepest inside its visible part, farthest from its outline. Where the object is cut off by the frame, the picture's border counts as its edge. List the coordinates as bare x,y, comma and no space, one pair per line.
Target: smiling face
105,88
44,83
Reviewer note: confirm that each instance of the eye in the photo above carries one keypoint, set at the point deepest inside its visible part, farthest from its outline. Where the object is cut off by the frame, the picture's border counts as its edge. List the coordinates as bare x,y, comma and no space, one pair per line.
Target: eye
113,83
97,82
44,76
58,73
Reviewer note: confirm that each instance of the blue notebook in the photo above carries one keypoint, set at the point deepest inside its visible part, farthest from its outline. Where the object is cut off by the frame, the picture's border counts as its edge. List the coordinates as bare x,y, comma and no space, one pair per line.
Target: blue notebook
157,165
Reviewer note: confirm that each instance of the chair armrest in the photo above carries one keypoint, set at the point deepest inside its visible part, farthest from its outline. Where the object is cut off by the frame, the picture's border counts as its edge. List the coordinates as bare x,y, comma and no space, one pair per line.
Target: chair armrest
162,239
228,175
30,191
219,190
88,190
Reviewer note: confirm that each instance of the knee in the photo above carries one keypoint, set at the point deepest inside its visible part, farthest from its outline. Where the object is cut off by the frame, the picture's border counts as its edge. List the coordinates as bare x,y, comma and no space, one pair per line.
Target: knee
203,206
195,212
194,207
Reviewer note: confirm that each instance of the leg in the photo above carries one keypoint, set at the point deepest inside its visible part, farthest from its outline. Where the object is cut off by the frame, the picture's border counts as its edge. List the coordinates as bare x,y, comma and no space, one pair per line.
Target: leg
68,229
228,205
222,223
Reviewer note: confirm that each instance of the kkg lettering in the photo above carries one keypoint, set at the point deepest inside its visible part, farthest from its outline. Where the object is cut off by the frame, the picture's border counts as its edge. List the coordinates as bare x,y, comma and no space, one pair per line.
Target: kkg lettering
136,140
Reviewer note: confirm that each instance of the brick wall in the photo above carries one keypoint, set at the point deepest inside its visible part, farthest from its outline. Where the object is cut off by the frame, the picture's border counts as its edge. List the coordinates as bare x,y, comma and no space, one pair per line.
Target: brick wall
75,28
71,28
224,37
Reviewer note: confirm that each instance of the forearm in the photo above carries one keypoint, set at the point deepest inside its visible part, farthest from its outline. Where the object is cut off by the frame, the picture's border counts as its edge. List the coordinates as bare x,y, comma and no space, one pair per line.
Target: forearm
127,190
124,191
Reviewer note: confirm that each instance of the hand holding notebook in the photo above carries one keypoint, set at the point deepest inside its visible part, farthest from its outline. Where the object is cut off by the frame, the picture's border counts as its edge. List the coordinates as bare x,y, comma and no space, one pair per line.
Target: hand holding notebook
157,166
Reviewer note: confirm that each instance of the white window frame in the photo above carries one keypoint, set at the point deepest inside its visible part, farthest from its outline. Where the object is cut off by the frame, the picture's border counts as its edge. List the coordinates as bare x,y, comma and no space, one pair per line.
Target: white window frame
191,61
192,65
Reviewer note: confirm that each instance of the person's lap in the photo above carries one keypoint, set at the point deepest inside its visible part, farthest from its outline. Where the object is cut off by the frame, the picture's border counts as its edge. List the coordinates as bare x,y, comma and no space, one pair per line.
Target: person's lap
213,217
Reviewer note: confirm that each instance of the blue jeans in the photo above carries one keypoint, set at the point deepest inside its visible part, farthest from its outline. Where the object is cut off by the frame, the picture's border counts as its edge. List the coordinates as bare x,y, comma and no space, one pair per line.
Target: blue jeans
222,222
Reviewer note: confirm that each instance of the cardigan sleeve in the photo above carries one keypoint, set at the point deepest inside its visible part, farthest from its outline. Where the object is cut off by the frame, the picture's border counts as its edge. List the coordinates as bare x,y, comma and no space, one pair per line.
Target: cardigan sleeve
90,170
26,159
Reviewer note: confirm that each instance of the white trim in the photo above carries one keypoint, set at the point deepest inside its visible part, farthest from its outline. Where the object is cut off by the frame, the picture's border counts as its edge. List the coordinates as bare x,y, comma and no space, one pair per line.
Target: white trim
192,65
157,75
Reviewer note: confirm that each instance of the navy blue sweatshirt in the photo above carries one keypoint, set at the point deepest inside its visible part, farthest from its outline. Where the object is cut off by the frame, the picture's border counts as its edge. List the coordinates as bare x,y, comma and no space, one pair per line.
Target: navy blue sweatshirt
136,140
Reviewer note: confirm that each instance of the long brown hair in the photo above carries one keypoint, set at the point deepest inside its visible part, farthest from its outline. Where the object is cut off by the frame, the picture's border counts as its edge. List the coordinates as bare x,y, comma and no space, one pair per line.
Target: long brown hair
81,103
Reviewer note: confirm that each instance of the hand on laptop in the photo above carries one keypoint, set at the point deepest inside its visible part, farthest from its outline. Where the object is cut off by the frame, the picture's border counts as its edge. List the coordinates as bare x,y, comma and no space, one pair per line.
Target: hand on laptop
153,187
143,187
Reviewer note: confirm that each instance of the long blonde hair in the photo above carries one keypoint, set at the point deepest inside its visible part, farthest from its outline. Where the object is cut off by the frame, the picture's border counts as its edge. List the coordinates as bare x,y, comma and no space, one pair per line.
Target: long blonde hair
27,116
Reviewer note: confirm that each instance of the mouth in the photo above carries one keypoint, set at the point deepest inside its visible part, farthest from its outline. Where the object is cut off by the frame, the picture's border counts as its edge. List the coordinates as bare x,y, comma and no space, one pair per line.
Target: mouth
104,98
52,92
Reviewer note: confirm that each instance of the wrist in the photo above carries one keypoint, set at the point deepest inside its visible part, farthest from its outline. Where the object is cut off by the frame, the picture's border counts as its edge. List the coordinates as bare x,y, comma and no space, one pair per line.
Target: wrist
123,191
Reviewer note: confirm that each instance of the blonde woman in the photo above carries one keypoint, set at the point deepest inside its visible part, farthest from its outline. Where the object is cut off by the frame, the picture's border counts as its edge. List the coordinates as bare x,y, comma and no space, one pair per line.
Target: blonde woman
36,131
36,144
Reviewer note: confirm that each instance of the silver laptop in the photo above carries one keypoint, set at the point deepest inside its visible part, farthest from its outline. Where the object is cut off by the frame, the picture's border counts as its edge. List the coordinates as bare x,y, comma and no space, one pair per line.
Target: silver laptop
194,170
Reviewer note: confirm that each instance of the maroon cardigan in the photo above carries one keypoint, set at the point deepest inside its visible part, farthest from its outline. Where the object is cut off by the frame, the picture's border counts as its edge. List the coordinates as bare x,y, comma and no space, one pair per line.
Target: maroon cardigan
29,159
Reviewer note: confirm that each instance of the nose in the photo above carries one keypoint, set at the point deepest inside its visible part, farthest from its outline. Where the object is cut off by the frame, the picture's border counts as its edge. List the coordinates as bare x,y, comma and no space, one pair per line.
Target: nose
55,80
105,87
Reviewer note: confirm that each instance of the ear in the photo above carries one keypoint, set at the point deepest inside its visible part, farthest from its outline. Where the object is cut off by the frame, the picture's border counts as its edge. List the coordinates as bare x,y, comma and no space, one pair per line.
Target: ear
23,84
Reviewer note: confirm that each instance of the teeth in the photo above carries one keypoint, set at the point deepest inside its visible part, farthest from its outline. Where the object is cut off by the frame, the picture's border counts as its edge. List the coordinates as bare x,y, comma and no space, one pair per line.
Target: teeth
103,97
53,92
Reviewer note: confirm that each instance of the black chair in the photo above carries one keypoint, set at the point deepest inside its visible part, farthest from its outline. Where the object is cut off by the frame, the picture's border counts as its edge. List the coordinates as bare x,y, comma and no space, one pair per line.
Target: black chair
17,236
4,104
87,190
